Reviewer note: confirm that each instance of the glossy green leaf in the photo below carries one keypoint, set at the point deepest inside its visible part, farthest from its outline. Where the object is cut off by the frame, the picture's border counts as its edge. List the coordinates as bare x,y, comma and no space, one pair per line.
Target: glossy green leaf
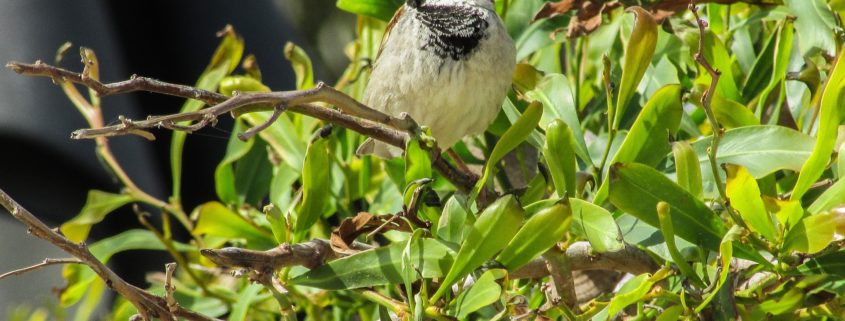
829,119
381,9
225,59
316,178
761,71
595,224
379,266
672,313
788,213
762,150
224,174
484,292
814,33
636,189
832,263
452,222
687,168
514,136
495,227
731,114
744,195
217,220
539,233
97,206
717,55
832,197
559,152
638,54
813,233
648,140
555,93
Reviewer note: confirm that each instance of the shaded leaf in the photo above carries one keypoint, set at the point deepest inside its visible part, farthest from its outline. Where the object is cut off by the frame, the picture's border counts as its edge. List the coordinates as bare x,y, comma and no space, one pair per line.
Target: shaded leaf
555,93
97,206
453,221
215,219
832,197
832,263
559,152
316,179
638,54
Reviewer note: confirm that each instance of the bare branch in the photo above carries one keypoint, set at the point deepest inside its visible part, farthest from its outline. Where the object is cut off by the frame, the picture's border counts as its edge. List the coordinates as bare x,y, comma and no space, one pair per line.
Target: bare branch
46,262
352,114
149,306
581,256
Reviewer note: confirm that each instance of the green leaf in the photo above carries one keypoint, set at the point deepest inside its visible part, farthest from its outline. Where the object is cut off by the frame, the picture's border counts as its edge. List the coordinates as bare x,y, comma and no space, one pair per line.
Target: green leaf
672,313
417,161
648,140
379,266
638,54
812,24
79,277
813,233
560,157
316,181
725,256
381,9
245,298
829,119
515,135
483,293
664,215
832,263
636,189
595,224
301,64
832,197
744,195
97,206
225,59
555,92
687,168
224,174
760,149
495,227
452,222
760,71
630,293
731,114
217,220
539,233
783,50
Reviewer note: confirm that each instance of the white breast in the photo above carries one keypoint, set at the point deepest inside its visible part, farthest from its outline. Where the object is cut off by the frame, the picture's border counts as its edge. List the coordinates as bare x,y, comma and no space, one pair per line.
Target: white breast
454,98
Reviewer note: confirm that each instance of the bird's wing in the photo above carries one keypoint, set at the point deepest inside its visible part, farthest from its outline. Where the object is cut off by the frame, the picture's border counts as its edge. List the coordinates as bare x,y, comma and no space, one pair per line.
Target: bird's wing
387,30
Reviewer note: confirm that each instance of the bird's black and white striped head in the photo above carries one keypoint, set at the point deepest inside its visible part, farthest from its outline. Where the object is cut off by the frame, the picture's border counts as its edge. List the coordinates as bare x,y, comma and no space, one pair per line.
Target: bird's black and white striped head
456,27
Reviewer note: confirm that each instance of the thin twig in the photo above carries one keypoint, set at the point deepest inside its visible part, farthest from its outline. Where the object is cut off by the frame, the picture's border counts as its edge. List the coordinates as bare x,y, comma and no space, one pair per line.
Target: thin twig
149,305
351,114
169,289
46,262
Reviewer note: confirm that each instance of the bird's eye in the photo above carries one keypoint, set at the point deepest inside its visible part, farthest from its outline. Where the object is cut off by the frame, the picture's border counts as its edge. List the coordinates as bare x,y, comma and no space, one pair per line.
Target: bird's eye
414,3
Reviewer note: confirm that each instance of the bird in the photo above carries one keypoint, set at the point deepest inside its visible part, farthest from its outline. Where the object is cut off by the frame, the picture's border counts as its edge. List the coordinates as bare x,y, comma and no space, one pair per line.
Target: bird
446,63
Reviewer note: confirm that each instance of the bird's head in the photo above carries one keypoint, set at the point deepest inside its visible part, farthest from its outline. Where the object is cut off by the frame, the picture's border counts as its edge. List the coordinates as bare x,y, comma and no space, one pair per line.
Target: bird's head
488,4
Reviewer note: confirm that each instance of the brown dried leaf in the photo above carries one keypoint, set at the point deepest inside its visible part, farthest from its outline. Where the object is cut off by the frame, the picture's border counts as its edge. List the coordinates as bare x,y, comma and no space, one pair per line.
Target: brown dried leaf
351,228
553,9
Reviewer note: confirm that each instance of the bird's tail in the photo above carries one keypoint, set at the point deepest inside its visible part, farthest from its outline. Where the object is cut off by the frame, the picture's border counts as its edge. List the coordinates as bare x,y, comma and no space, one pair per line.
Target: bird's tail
379,149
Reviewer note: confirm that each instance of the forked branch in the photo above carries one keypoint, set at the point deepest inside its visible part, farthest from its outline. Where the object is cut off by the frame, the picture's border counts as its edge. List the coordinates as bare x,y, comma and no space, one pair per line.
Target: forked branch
350,114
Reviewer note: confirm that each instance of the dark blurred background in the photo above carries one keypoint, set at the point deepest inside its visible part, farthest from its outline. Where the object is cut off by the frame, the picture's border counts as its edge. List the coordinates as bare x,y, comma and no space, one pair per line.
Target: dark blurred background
168,40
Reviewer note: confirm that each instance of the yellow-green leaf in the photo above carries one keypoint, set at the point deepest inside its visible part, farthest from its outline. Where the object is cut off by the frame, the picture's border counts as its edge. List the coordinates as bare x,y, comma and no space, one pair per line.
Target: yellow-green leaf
687,168
538,234
813,233
97,206
559,151
744,196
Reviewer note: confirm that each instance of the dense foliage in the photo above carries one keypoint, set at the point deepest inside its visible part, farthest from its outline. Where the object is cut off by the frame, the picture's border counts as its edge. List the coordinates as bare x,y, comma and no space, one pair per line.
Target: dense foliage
605,141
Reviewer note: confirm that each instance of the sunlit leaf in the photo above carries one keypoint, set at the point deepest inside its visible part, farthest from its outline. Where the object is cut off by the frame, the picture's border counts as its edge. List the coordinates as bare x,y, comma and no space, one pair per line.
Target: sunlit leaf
744,195
484,292
381,9
452,222
813,233
316,178
595,224
559,151
539,233
555,93
813,25
832,197
829,119
687,168
495,227
379,266
217,220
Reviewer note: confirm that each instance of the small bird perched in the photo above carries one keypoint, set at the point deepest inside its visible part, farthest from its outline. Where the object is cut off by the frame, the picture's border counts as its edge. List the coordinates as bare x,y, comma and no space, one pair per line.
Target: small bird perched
447,63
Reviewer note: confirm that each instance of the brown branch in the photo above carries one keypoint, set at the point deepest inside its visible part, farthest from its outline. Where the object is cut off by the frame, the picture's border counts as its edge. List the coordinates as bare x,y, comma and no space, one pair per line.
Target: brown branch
149,306
46,262
580,256
352,114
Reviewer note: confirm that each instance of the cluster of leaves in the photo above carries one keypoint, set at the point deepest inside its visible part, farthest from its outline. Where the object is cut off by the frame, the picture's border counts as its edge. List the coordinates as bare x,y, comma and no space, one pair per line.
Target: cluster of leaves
616,152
